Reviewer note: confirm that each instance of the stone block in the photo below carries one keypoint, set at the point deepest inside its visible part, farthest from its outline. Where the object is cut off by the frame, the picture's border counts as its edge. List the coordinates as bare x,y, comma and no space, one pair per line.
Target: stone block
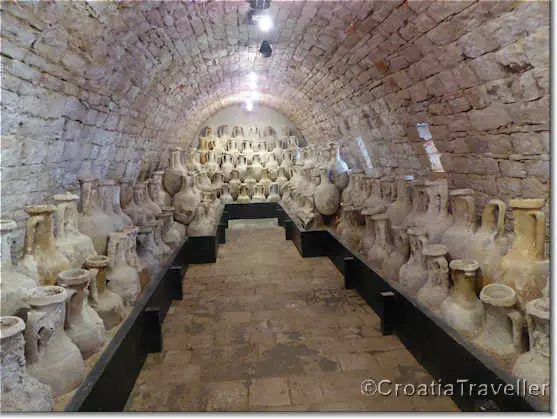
509,187
490,118
539,169
512,168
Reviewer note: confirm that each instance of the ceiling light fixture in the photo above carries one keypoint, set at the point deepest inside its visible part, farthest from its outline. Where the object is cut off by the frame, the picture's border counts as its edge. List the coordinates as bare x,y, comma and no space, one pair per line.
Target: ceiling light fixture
265,23
254,96
265,49
249,105
259,4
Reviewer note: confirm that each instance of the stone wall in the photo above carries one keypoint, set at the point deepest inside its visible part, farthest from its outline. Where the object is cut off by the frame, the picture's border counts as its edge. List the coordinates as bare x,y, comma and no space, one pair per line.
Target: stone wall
108,88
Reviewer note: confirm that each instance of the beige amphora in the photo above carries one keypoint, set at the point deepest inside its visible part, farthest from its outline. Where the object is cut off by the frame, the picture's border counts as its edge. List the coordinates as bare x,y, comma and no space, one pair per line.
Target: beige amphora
534,365
437,287
172,179
413,274
73,244
91,219
123,279
41,261
462,309
52,357
502,333
83,325
399,253
21,392
15,287
106,303
520,267
459,236
489,244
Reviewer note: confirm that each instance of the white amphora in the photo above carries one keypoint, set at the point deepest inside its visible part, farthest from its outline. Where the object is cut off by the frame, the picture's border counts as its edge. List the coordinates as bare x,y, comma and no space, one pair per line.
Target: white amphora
106,303
21,392
69,241
52,358
462,309
83,325
413,274
123,279
15,287
436,289
502,333
533,366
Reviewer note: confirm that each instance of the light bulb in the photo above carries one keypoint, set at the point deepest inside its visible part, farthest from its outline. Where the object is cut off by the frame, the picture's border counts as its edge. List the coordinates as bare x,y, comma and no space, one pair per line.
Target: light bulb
252,76
255,95
249,105
265,23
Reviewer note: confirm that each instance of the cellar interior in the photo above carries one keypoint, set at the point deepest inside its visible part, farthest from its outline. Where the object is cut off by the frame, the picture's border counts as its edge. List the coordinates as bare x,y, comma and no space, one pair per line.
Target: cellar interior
275,205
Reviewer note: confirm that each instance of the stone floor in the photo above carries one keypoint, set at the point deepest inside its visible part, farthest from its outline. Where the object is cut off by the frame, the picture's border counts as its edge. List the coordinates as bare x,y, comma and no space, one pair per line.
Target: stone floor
265,330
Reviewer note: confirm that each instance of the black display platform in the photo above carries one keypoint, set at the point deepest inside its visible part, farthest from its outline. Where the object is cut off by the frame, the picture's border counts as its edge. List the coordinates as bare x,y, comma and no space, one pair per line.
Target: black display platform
443,352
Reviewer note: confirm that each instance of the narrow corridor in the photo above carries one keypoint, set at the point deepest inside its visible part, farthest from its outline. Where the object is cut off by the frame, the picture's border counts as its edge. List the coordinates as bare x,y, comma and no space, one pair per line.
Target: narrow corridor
265,329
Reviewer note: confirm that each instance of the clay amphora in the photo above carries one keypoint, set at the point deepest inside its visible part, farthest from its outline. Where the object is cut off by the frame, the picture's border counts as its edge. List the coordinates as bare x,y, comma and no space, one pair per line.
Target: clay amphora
186,201
368,237
132,257
21,392
75,246
156,191
353,180
381,248
91,219
149,203
399,210
413,274
399,254
286,164
307,212
462,309
489,244
227,166
250,182
201,225
326,195
163,249
273,166
374,203
338,169
419,204
83,325
217,180
234,184
247,149
242,167
352,233
265,182
274,193
137,211
519,267
225,196
203,180
212,165
533,366
117,207
172,179
147,254
41,260
52,357
126,193
192,163
243,196
106,195
502,333
256,168
281,178
437,219
15,287
258,194
108,305
459,237
123,279
436,289
173,232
